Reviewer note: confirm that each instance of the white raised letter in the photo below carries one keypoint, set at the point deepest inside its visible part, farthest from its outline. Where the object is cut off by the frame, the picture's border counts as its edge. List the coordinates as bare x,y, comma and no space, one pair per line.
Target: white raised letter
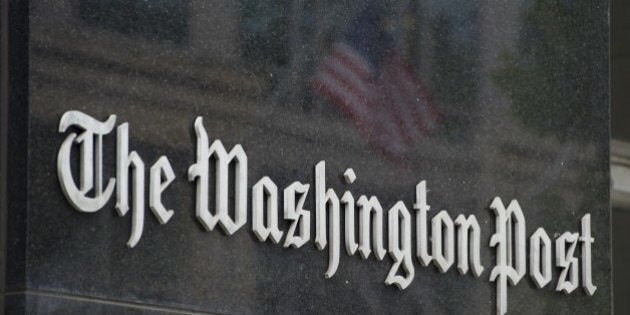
351,244
509,225
323,198
265,187
443,255
464,228
156,187
541,278
371,206
566,261
348,200
199,172
421,224
400,245
587,240
297,214
124,161
89,168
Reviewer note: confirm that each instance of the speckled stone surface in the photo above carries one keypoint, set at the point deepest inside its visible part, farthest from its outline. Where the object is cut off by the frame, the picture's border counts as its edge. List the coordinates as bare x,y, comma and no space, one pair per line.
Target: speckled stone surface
514,103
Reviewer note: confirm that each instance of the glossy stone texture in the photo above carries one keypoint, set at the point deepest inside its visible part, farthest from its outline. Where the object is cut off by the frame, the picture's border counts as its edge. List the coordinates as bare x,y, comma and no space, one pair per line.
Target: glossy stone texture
480,99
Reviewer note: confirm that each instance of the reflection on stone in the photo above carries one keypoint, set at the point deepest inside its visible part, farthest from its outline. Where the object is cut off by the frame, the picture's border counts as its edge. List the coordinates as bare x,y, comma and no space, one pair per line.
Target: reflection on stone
521,90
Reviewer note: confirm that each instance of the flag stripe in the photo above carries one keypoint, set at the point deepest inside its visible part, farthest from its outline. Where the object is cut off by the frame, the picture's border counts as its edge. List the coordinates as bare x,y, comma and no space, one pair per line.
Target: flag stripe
350,57
350,79
353,105
385,99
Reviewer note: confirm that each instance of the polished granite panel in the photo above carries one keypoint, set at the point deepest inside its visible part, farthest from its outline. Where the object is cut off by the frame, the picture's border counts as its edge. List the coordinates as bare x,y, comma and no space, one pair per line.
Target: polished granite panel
480,99
60,305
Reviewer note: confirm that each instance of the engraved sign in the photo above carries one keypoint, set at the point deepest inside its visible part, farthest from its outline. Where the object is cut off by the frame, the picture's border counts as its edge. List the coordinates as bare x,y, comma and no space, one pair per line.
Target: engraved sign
440,240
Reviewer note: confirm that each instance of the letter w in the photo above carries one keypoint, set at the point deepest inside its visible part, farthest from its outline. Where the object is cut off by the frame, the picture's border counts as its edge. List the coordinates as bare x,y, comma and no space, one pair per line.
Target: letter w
199,172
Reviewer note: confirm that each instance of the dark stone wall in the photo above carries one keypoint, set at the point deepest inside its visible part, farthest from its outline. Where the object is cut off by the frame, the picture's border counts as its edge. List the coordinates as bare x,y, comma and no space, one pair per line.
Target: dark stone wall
479,99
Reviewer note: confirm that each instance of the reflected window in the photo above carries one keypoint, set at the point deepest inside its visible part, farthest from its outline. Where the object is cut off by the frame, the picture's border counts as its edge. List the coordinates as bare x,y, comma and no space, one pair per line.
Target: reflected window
264,32
160,20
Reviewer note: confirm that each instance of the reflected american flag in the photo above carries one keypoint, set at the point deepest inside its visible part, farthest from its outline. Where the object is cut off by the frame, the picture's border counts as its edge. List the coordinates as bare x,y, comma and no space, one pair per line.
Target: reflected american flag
372,84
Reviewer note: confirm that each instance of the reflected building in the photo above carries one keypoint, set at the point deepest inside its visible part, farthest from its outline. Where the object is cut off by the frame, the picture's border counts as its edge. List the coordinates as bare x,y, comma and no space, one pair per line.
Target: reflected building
250,69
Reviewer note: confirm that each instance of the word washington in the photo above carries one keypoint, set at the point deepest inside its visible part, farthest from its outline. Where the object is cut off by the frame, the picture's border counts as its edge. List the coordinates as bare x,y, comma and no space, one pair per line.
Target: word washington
437,247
